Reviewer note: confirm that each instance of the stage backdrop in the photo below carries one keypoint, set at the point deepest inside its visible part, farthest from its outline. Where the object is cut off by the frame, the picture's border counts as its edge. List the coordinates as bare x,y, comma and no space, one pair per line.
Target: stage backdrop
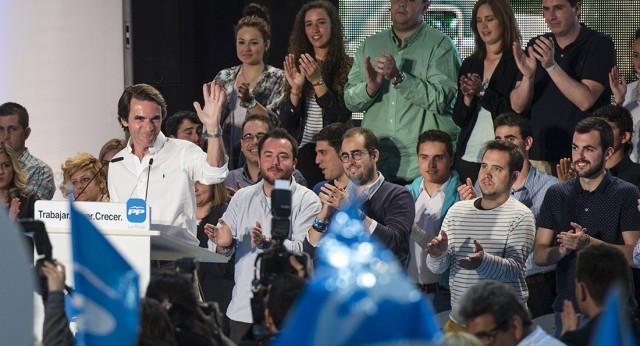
63,61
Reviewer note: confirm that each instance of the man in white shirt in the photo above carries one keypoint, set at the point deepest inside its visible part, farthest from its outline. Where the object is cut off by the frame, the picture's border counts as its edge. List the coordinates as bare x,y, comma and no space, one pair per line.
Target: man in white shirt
162,170
494,314
245,228
434,192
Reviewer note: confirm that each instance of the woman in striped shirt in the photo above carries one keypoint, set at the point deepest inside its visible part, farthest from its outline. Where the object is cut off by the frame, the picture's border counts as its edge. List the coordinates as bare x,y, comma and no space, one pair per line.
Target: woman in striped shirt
316,70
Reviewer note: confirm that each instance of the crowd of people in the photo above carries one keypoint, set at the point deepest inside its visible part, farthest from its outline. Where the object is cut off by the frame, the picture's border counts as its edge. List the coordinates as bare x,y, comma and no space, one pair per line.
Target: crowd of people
507,184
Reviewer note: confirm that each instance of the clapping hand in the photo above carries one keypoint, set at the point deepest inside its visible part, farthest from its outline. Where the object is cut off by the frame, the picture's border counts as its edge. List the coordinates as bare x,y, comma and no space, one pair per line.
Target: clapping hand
220,235
438,245
526,64
372,77
574,239
618,84
467,191
294,77
472,262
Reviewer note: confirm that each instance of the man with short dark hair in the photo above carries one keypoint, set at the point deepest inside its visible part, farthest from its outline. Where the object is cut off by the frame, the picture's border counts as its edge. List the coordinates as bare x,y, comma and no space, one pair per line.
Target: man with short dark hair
14,130
185,125
495,315
405,80
564,78
332,190
387,209
594,207
328,143
620,165
489,237
434,192
254,127
529,189
162,170
283,293
245,227
598,268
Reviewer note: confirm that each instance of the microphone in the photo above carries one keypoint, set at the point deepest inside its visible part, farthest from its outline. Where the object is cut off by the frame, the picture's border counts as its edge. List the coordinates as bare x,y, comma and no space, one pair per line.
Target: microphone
114,160
146,193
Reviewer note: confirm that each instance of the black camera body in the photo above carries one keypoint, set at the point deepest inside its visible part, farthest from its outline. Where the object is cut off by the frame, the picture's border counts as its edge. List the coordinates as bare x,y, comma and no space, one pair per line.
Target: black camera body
274,260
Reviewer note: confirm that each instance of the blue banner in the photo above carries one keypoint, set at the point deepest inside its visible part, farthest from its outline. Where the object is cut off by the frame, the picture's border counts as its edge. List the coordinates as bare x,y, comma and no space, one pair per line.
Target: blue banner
360,295
614,327
106,288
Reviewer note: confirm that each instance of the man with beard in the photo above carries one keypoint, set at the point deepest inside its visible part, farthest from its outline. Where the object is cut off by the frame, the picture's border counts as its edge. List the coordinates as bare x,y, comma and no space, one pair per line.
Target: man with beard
387,209
489,237
529,189
254,127
592,208
405,81
246,225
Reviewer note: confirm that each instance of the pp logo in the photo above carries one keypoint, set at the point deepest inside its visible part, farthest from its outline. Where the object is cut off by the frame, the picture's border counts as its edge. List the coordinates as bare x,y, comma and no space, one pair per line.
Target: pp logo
136,210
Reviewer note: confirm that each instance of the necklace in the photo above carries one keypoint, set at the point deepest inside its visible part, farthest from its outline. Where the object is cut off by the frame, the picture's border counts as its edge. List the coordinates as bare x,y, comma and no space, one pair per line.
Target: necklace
245,78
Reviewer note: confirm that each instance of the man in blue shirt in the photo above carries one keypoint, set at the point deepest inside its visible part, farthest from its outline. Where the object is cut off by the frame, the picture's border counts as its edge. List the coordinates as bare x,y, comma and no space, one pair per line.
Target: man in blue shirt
592,208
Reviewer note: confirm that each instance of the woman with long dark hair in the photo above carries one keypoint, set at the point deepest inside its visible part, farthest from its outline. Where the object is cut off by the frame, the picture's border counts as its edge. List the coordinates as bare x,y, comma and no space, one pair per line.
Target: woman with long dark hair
252,87
316,70
486,79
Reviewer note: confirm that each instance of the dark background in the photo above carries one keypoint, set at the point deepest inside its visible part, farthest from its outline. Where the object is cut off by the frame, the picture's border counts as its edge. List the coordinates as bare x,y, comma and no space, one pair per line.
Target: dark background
178,45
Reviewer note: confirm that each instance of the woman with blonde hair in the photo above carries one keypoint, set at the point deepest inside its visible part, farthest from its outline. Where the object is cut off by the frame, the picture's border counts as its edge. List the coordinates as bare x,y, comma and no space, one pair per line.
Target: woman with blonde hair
13,185
109,150
216,279
80,172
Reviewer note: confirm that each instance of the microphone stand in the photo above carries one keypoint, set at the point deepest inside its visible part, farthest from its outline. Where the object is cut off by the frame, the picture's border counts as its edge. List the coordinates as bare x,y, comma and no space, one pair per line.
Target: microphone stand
146,193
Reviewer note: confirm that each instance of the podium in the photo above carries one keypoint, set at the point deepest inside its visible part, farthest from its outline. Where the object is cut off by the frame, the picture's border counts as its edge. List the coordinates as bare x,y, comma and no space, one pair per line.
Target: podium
137,245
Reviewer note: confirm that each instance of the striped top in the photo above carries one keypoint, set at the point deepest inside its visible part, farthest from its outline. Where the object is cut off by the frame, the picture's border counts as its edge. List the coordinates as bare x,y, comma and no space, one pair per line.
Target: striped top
506,233
313,121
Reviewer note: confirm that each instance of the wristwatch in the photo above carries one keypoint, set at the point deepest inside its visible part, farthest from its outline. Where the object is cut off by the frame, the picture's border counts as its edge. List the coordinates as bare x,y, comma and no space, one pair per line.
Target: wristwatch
399,78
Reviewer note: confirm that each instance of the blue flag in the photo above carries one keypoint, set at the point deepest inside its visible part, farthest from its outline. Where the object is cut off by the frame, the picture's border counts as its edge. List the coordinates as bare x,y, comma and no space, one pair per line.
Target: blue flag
106,288
359,295
614,327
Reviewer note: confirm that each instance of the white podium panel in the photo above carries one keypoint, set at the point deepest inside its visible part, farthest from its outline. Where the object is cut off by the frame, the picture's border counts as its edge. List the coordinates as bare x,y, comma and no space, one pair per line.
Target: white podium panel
134,246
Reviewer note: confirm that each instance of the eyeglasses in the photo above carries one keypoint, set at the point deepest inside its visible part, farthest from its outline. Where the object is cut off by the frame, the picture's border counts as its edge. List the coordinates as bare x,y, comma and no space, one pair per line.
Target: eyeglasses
489,337
249,137
356,155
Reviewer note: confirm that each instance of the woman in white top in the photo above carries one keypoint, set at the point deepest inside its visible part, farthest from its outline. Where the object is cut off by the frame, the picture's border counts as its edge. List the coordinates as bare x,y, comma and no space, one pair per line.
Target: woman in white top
628,96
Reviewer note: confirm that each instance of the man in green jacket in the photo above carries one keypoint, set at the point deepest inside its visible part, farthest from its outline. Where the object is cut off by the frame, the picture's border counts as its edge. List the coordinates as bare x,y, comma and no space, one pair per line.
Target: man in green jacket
405,80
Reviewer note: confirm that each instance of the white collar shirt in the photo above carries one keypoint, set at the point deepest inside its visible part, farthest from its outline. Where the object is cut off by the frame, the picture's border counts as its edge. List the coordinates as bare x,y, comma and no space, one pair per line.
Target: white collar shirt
177,165
428,209
247,206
